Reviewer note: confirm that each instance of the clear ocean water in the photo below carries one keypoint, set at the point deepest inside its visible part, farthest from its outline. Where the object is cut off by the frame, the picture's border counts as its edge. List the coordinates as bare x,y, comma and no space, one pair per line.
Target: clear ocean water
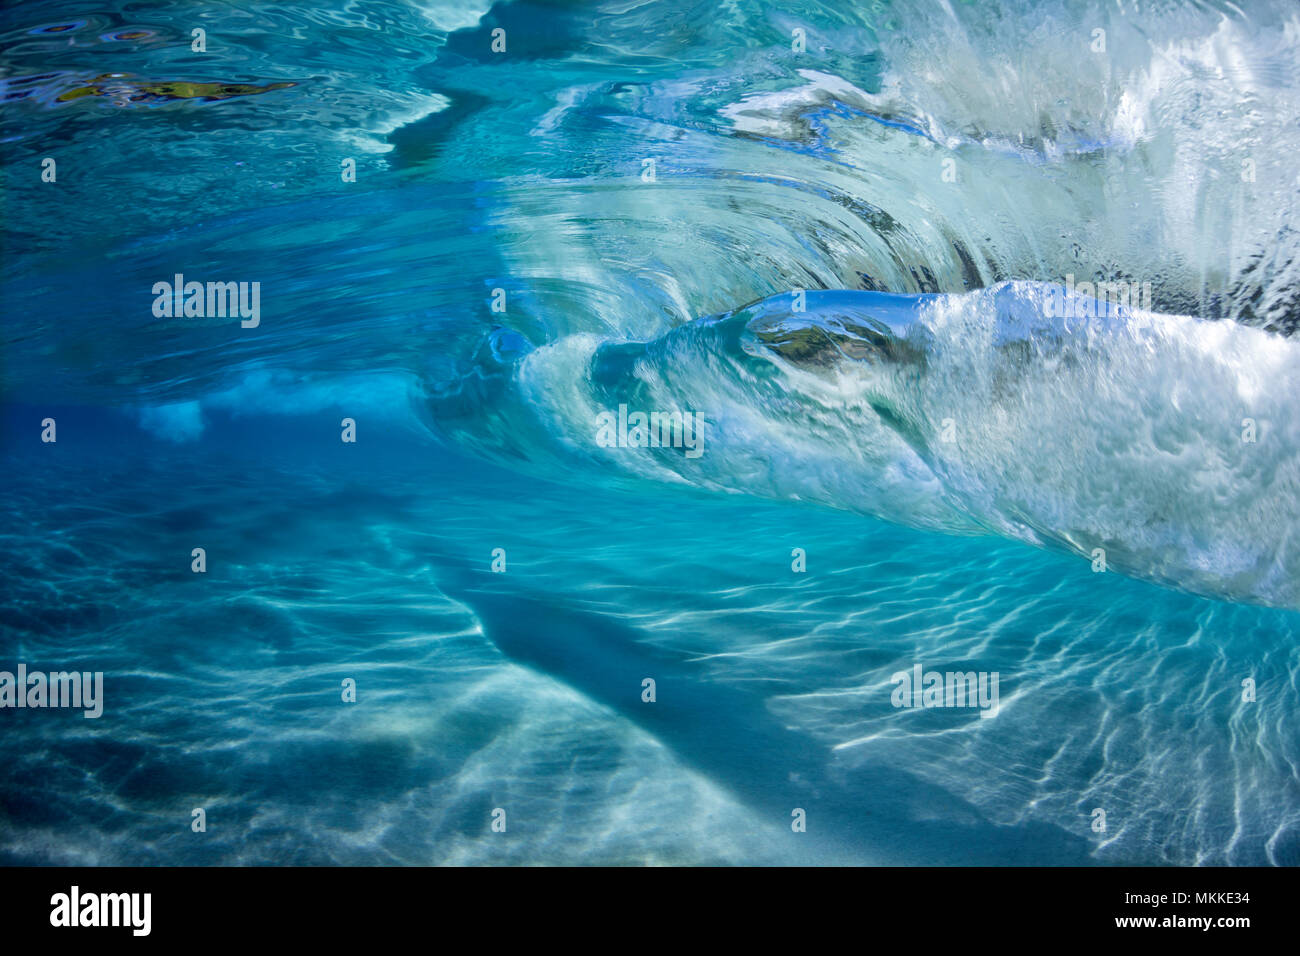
864,243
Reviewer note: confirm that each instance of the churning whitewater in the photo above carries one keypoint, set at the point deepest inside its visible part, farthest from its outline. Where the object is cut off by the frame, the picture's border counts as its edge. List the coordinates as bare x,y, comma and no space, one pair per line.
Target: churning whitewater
1166,447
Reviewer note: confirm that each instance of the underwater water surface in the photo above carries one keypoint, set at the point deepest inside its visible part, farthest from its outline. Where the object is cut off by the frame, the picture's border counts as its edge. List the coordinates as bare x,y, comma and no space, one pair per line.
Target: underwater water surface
974,333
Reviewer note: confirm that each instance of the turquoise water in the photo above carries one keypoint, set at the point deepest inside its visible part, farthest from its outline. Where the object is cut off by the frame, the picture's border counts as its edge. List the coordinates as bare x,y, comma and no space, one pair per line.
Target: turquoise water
887,387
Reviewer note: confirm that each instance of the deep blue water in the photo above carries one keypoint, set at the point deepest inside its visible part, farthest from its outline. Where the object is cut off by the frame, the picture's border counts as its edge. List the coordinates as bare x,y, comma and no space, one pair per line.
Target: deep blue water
877,354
